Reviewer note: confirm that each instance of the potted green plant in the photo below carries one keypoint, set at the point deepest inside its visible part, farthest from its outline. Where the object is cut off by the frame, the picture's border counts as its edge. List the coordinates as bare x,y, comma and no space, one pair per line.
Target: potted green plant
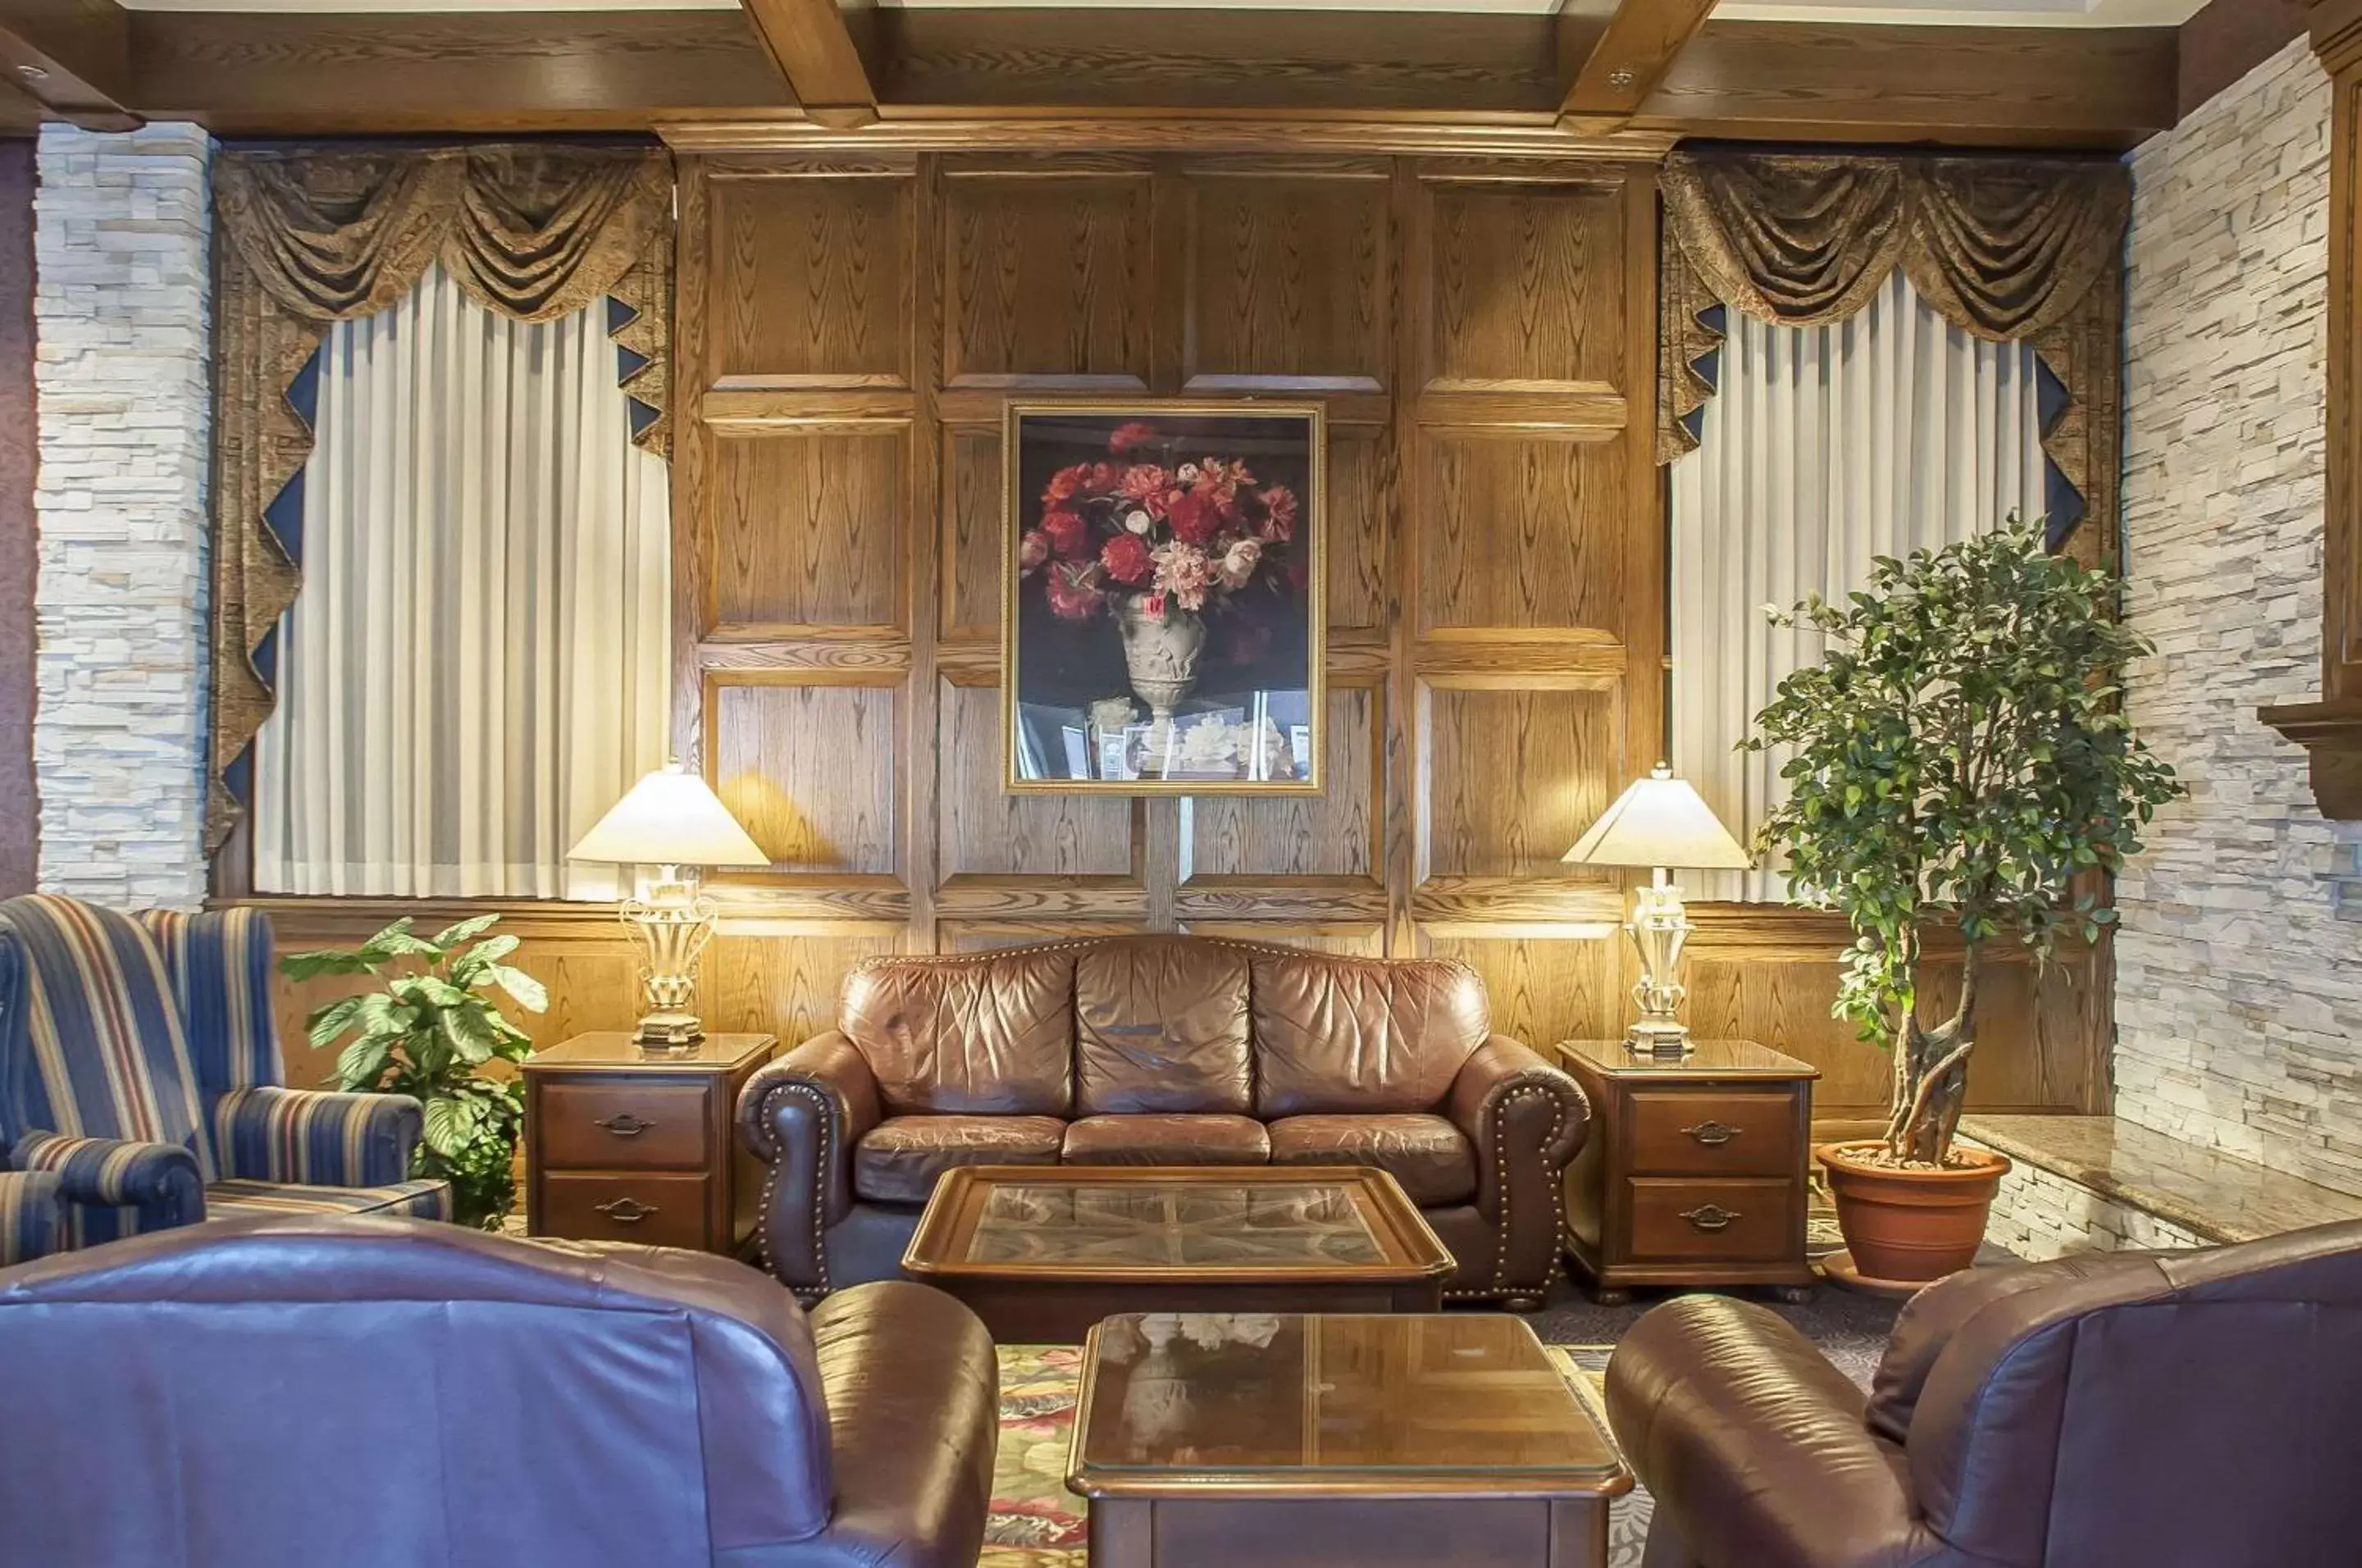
1960,756
428,1033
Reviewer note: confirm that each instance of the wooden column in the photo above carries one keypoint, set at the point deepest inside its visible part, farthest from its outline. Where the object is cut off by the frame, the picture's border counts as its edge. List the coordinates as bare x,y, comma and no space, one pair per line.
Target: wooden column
20,817
2331,729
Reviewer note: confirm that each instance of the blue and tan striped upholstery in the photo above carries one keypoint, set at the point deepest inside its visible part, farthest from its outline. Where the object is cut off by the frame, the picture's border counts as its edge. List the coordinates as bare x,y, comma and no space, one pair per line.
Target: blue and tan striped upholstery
220,967
140,1067
32,1215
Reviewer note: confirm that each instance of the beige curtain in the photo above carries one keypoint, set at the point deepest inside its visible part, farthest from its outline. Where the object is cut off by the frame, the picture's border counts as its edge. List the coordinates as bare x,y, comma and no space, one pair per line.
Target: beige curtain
1889,431
2008,248
308,236
476,668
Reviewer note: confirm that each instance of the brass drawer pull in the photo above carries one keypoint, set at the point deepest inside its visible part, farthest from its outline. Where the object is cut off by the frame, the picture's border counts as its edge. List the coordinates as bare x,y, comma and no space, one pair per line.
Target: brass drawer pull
1713,1134
623,1125
626,1211
1710,1216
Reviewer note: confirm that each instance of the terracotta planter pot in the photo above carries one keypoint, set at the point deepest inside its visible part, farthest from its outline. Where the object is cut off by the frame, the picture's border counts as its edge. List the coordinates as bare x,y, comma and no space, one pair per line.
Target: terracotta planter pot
1908,1225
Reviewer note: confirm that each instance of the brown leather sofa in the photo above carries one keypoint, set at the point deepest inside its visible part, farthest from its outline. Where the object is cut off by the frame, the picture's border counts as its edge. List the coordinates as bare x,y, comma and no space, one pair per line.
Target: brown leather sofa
380,1393
1160,1049
2191,1409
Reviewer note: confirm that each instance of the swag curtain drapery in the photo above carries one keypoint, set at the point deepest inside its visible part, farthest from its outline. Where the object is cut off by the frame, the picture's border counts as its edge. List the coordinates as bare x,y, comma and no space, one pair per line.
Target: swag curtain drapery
476,666
308,237
2008,249
1884,433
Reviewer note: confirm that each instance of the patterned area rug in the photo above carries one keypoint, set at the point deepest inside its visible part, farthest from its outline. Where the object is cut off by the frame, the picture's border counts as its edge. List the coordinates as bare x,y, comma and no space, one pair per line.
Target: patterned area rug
1037,1523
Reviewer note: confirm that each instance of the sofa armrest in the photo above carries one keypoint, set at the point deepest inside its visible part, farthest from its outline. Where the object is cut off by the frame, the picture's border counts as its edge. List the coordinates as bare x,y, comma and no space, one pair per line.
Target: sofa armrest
317,1137
1755,1447
161,1178
32,1215
1515,1106
802,1115
1526,1120
913,1399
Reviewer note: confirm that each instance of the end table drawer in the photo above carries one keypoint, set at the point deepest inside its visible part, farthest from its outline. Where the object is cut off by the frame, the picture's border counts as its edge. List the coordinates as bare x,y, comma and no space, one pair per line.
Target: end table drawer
659,1211
1731,1221
1711,1132
623,1126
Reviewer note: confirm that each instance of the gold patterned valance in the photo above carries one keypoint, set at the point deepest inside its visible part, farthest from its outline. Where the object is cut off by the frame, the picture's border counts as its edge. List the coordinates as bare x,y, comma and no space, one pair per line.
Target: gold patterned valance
2010,249
307,238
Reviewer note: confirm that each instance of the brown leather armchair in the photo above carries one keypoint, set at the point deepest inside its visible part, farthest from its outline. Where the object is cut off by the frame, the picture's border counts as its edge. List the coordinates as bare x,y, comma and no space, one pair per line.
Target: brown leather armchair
2112,1411
1160,1049
383,1393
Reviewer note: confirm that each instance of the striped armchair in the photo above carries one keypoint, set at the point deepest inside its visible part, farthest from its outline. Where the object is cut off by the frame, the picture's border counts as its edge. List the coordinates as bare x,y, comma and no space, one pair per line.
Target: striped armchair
138,1068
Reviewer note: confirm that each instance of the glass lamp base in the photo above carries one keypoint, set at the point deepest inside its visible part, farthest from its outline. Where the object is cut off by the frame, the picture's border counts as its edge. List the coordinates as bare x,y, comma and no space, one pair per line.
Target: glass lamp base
1658,1037
671,1031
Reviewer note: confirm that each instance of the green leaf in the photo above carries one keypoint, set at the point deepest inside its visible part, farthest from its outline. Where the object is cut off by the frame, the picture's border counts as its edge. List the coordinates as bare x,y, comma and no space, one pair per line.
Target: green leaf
451,936
362,1063
300,966
327,1022
522,988
451,1124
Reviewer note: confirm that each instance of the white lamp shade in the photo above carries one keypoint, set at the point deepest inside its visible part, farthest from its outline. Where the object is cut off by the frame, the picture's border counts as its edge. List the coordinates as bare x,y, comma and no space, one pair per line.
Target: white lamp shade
670,818
1659,820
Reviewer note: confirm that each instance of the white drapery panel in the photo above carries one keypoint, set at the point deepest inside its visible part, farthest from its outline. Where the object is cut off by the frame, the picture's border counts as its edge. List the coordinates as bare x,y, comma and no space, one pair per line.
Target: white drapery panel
1825,447
477,667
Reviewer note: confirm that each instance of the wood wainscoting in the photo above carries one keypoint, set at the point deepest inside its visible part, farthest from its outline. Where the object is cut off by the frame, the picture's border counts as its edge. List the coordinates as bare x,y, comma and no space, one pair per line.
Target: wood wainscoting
1482,332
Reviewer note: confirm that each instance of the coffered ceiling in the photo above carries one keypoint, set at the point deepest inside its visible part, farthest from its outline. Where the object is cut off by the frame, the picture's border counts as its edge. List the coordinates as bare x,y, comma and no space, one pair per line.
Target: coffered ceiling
2064,73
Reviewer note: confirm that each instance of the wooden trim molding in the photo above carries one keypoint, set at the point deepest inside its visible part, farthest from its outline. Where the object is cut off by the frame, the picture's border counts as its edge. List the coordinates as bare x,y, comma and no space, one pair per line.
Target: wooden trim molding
2331,729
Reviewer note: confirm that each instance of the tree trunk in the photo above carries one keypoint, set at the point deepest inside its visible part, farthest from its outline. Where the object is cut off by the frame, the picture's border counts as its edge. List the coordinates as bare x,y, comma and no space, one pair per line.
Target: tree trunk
1933,1067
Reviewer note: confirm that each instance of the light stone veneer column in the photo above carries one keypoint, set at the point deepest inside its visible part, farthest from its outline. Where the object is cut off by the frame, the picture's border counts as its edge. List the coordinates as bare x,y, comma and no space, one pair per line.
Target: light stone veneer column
2238,985
123,270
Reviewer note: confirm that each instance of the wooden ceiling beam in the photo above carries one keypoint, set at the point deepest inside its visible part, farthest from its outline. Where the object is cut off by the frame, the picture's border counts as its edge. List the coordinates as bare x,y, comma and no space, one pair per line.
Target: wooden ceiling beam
812,43
254,73
73,57
1622,62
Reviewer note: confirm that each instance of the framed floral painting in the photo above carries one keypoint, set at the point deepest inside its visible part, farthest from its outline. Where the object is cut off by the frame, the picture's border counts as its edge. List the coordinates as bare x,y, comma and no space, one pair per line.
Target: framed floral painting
1163,629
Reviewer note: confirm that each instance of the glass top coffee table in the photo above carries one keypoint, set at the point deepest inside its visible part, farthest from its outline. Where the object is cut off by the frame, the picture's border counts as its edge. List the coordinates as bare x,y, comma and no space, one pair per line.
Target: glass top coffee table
1042,1253
1222,1439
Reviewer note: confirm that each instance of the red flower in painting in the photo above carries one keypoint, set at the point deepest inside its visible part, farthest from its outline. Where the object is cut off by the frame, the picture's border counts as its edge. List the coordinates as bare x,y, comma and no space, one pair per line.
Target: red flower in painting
1145,479
1195,514
1126,558
1064,483
1279,510
1074,591
1132,432
1070,537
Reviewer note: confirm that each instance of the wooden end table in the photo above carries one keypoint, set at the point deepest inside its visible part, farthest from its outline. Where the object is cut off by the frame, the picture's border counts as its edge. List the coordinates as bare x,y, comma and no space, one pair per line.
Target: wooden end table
1041,1253
1212,1441
1695,1172
627,1144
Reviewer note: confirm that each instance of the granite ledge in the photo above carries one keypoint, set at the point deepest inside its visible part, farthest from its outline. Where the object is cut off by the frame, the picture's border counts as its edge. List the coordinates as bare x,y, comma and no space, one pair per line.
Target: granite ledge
2211,1194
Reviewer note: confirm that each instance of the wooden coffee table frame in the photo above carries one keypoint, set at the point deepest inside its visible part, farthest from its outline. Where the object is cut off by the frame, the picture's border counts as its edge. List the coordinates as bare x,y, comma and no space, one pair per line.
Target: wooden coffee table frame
1056,1303
1317,1516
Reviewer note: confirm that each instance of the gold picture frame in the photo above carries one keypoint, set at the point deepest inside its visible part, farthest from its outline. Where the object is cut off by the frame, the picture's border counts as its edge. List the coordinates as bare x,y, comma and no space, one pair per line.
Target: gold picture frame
1226,579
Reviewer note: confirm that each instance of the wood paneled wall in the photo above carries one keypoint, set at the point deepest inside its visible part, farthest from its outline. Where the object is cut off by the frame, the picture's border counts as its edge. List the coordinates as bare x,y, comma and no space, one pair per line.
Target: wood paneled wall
1483,336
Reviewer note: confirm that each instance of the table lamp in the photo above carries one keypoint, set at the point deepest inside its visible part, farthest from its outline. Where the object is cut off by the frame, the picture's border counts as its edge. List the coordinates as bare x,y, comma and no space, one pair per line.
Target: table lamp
671,820
1659,822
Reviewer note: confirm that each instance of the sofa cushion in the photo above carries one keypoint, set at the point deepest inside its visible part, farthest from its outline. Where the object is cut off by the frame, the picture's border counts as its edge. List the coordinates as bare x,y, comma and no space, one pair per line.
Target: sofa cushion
988,1034
1334,1036
1167,1141
1161,1025
1432,1158
900,1158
